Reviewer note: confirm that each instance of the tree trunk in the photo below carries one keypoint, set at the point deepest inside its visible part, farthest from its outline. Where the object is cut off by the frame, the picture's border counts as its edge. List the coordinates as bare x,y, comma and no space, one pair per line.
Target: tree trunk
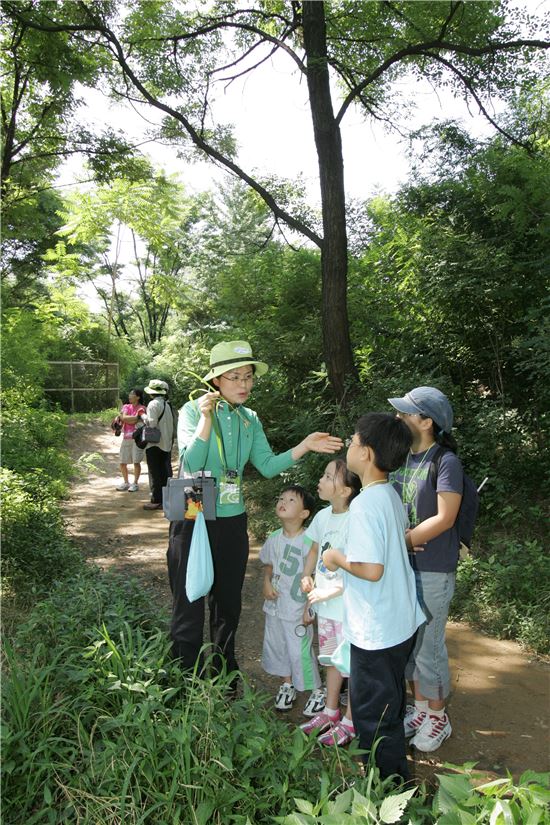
334,251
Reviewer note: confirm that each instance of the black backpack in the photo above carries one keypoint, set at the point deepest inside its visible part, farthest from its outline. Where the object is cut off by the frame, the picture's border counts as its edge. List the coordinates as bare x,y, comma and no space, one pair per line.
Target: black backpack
469,505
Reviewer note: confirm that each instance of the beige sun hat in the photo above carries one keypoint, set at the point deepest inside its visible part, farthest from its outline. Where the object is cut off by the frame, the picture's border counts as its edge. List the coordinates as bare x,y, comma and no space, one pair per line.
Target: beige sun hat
232,355
156,387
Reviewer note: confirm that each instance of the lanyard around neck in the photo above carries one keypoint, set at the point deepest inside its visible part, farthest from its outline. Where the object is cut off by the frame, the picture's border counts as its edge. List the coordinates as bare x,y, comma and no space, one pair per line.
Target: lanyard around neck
417,469
220,442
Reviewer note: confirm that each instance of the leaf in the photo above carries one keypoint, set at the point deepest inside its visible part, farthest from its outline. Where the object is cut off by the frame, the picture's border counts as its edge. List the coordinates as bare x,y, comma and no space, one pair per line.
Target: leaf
203,812
533,776
490,788
501,814
452,789
341,802
393,806
304,806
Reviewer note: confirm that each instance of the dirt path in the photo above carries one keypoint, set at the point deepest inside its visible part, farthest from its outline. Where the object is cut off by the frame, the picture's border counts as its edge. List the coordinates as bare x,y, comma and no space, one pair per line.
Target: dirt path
500,699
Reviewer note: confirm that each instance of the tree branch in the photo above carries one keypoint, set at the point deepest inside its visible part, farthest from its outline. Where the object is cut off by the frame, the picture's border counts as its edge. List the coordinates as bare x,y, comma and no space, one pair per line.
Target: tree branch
199,141
469,86
427,50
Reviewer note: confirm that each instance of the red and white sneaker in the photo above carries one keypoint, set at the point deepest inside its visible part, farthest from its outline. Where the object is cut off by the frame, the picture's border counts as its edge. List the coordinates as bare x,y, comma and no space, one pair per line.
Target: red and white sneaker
414,719
339,734
433,732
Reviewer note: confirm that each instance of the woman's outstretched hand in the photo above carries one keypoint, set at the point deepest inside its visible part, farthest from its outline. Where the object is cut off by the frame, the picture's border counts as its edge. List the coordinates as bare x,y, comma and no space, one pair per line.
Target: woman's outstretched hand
317,443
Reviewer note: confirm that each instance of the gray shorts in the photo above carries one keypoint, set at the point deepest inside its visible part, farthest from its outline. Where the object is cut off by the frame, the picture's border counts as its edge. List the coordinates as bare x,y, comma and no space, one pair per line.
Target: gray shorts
284,653
130,453
429,662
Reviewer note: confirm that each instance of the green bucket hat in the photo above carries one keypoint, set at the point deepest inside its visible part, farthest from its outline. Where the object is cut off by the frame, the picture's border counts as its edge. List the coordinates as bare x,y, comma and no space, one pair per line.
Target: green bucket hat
231,355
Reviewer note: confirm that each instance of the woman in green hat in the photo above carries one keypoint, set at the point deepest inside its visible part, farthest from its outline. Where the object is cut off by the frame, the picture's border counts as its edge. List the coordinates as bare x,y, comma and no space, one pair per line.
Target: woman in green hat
217,433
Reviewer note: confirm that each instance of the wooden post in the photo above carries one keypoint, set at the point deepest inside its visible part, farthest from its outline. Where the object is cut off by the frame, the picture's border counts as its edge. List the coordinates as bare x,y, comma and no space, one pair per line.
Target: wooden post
72,386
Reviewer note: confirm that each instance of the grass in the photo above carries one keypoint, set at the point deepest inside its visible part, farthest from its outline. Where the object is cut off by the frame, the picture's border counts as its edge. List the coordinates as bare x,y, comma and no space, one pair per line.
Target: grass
100,726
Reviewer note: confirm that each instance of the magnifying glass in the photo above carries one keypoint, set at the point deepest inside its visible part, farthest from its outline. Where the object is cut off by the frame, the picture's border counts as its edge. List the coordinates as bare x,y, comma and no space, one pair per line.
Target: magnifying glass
301,629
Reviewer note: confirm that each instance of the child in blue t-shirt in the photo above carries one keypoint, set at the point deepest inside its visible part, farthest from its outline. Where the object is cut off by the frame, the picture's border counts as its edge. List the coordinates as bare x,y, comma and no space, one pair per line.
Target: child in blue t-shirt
329,528
381,610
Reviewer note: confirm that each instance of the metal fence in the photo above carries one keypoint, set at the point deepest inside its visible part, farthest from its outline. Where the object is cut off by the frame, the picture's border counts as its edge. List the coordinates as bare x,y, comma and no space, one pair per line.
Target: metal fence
83,386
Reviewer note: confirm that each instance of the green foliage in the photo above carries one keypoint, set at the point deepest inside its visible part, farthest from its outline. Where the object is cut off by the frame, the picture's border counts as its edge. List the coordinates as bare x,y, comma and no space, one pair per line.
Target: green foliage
39,75
36,468
35,550
23,348
34,437
461,801
505,590
100,726
352,807
159,222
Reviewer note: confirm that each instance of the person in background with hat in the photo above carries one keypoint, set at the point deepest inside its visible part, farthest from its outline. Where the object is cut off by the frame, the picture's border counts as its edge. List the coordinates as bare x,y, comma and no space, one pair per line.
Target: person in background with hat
433,543
217,433
159,414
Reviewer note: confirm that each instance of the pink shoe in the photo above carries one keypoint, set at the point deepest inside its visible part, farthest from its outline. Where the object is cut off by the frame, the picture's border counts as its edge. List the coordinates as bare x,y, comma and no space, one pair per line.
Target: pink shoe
319,723
339,734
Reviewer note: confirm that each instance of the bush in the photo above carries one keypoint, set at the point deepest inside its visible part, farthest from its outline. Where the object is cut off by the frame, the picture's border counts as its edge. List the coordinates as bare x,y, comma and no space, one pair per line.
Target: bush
34,438
35,549
506,591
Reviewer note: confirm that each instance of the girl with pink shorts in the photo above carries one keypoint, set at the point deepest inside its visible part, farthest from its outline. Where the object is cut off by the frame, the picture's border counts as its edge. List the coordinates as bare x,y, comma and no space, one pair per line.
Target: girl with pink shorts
339,487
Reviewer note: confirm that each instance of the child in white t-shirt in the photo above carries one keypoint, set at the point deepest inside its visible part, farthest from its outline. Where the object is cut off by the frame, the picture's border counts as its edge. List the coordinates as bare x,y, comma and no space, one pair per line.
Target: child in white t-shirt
329,529
287,647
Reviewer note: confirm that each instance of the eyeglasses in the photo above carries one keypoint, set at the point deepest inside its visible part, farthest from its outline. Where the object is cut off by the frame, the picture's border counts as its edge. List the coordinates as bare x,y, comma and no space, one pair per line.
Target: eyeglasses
239,379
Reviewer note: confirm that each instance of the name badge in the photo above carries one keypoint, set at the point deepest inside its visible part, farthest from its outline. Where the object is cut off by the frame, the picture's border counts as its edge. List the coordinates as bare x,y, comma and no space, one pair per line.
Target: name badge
229,489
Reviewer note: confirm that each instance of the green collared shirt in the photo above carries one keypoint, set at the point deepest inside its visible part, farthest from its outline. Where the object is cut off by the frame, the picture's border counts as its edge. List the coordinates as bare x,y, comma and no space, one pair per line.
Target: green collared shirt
243,440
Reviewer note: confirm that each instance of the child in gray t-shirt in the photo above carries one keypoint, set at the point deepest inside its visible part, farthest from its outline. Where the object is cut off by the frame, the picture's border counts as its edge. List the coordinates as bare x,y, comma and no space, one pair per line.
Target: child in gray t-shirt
287,646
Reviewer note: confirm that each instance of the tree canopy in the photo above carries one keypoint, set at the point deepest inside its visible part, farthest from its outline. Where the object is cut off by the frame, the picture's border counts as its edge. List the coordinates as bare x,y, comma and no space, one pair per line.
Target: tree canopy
173,57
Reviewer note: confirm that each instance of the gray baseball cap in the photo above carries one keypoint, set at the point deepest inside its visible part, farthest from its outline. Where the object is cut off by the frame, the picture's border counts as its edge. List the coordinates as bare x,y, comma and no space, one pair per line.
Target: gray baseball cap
427,401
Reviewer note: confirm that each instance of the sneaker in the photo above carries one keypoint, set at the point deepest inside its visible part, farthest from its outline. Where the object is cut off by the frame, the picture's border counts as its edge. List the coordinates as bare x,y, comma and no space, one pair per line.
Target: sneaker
316,702
339,734
414,719
123,486
319,723
133,488
285,697
151,505
344,696
432,734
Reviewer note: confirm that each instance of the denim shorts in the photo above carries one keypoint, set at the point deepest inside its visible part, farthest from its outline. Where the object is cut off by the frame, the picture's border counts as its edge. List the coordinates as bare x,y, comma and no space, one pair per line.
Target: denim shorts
429,663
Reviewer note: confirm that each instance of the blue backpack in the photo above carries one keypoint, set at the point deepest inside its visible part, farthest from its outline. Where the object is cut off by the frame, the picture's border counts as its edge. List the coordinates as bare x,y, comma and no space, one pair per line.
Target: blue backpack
469,505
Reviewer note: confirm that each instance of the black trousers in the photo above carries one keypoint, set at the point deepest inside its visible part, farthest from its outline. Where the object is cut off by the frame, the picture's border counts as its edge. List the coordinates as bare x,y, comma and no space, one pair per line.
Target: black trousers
159,466
377,682
229,545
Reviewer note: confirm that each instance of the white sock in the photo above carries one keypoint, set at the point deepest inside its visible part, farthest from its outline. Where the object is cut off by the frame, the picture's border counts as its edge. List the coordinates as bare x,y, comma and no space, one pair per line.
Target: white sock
422,706
348,723
439,713
334,713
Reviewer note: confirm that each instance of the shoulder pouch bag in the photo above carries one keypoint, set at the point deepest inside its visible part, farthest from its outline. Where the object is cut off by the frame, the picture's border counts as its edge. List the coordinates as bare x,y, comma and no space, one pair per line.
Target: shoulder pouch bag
151,435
